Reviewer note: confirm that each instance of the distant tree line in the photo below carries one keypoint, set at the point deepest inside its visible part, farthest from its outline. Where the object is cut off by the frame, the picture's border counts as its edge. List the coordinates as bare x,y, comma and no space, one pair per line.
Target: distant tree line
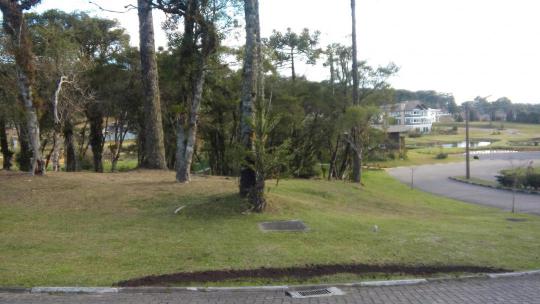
431,99
503,109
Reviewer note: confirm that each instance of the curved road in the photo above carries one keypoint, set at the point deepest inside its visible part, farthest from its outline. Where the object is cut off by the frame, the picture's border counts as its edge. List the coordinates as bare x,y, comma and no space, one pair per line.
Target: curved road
434,179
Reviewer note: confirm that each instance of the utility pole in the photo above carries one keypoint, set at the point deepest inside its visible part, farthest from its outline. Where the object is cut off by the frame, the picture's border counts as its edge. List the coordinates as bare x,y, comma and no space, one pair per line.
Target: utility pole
467,143
412,178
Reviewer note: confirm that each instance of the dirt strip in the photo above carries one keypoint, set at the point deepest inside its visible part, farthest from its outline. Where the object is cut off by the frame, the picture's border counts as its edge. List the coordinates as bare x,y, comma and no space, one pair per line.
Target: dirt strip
302,272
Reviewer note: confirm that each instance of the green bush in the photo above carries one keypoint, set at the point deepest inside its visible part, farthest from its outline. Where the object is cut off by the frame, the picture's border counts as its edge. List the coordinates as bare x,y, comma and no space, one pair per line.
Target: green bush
533,180
415,134
505,180
522,179
441,155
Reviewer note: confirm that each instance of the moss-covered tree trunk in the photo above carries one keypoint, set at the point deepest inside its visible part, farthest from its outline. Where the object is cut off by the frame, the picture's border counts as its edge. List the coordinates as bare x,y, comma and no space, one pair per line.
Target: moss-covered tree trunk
4,145
21,47
199,43
354,54
69,147
95,118
154,147
357,156
249,91
24,158
187,138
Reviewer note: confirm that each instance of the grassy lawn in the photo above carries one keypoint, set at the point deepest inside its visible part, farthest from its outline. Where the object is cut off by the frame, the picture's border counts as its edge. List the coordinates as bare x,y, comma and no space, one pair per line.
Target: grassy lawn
97,229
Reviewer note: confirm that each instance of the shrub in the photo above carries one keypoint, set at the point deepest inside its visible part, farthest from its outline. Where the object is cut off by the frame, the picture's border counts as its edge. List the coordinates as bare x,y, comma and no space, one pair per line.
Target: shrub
505,180
441,155
533,180
86,163
522,179
415,134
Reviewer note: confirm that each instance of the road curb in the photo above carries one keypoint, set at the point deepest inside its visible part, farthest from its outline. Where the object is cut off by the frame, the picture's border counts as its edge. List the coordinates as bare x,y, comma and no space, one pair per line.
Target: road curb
108,290
512,274
14,290
494,187
393,282
73,289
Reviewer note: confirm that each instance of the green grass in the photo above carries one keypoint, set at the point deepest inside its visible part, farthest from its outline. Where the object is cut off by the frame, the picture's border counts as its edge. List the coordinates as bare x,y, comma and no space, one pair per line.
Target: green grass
96,229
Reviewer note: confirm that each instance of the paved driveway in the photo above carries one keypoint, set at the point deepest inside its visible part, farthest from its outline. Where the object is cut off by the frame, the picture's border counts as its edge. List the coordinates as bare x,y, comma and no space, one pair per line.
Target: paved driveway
434,179
512,290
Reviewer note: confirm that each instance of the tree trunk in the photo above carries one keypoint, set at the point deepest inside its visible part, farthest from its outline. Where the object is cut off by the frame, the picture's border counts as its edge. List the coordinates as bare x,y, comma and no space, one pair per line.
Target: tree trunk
357,167
154,143
292,66
21,47
354,54
95,117
332,74
4,145
332,173
344,161
249,91
70,157
56,154
32,124
119,141
186,150
24,159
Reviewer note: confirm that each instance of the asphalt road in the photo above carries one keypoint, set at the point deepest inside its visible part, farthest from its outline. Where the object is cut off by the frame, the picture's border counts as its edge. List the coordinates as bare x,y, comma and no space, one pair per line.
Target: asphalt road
434,179
510,290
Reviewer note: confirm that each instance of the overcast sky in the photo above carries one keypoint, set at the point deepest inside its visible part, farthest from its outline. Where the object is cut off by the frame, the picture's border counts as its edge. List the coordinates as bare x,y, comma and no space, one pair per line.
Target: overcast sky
465,47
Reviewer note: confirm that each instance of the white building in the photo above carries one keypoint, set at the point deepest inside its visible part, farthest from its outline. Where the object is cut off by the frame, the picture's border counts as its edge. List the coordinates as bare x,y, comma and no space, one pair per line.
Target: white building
413,114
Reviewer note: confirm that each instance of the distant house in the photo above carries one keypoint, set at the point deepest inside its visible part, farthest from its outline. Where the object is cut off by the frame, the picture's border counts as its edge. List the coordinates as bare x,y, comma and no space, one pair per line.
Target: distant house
413,114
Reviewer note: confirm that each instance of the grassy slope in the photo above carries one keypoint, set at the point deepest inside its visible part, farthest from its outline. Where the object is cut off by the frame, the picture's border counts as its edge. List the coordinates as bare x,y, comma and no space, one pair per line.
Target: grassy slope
96,229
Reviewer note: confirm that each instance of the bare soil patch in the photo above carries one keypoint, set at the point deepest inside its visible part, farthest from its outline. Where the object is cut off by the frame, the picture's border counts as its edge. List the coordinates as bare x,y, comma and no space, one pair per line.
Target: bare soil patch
301,272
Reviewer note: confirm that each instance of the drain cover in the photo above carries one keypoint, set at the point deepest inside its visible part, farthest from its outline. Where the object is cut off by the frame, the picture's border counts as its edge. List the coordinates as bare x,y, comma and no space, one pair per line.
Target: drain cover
325,292
516,219
293,225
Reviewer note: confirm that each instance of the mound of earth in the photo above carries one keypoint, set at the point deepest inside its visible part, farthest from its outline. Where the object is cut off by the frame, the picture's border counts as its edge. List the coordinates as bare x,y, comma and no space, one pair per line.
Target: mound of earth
301,272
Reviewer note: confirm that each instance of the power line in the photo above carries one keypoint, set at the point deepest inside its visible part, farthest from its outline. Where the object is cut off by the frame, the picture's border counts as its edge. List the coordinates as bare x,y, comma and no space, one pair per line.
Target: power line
128,8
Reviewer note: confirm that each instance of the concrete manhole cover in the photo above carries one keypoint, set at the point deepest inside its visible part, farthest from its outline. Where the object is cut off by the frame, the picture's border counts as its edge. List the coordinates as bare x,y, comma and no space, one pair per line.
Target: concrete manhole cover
293,225
516,219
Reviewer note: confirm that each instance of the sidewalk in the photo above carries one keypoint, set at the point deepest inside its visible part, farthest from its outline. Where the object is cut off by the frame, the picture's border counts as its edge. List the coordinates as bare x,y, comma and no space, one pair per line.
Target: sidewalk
509,290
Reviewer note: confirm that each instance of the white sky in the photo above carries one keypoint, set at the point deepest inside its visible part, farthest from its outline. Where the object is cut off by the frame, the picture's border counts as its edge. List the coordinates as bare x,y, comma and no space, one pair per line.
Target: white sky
465,47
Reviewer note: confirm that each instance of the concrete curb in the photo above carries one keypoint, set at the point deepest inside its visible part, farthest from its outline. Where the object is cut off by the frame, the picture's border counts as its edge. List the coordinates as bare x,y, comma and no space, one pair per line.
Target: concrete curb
512,274
494,187
14,290
73,290
104,290
393,282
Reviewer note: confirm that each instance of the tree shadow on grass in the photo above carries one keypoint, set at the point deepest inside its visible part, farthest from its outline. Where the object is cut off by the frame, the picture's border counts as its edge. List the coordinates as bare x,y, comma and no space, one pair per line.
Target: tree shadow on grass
215,206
